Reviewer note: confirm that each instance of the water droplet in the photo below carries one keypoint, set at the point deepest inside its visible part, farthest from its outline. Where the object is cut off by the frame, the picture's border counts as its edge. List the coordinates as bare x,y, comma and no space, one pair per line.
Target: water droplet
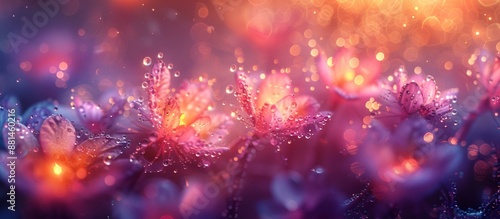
107,159
153,137
160,55
274,141
177,73
229,89
146,61
232,68
144,143
273,108
145,85
170,66
454,111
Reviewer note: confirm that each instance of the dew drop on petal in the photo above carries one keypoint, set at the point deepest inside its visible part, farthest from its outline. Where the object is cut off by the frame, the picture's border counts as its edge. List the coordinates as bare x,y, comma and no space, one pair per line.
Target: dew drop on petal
146,61
107,159
170,66
232,68
229,89
153,137
144,143
274,141
145,85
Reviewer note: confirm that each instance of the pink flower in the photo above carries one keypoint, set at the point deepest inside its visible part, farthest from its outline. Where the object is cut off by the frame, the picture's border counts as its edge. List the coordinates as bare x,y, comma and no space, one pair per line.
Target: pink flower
350,81
183,123
406,97
275,112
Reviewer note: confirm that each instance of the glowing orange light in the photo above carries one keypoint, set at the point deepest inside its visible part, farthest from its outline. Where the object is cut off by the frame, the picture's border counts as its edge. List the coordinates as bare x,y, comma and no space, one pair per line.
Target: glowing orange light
407,166
57,169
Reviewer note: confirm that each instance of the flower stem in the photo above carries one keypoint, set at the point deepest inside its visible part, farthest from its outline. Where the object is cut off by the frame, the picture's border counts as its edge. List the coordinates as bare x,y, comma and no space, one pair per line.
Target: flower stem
239,162
469,121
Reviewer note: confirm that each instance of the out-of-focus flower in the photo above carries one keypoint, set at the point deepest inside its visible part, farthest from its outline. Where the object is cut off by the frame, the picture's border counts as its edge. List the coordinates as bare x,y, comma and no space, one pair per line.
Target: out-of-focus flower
275,112
297,197
183,123
490,80
489,93
95,118
158,198
403,97
59,169
407,162
349,76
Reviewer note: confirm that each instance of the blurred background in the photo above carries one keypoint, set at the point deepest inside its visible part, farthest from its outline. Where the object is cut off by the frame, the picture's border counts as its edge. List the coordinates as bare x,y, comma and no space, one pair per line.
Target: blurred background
51,49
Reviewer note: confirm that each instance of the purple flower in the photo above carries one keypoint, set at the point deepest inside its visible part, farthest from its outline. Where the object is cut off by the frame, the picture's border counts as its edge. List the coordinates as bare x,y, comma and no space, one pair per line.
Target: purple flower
405,97
295,196
407,162
157,198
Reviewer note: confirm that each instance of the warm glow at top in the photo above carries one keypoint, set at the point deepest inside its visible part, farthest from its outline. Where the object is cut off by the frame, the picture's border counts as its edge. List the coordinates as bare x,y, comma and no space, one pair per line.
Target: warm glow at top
57,169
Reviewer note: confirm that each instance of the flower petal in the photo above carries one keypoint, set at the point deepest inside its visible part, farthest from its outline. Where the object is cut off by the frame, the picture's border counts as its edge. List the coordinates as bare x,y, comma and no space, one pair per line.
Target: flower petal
201,124
273,88
428,88
306,105
57,136
36,114
24,140
8,105
90,114
171,115
245,93
411,97
159,86
97,152
287,108
288,189
193,99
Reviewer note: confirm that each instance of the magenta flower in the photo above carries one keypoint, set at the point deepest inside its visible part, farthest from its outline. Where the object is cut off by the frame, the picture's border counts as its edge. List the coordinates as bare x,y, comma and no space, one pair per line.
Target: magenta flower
405,97
275,112
183,123
407,162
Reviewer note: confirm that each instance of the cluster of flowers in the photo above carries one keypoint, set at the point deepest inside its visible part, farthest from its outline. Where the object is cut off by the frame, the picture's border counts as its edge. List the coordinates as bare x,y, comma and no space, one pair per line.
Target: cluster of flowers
69,155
